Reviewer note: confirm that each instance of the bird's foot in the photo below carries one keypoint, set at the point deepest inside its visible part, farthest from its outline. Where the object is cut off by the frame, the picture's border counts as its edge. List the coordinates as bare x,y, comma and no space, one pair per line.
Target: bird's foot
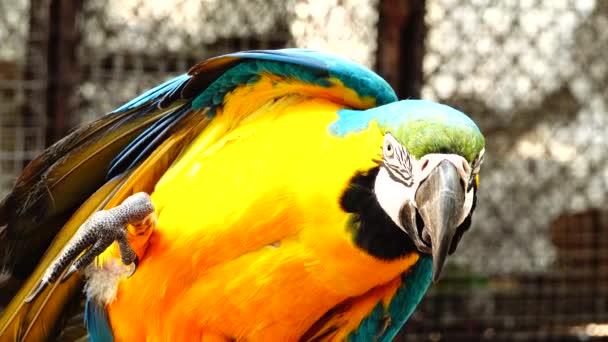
100,231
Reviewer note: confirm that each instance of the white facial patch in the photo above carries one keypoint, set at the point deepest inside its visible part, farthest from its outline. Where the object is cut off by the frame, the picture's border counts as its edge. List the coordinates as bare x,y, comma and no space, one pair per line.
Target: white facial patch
468,204
392,194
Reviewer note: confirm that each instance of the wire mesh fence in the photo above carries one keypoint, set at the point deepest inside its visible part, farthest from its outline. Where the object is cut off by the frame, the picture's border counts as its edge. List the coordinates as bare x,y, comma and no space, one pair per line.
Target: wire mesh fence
532,73
133,45
22,121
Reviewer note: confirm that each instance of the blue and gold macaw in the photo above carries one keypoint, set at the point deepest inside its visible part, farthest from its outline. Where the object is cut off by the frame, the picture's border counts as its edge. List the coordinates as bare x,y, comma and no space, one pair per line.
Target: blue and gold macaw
263,196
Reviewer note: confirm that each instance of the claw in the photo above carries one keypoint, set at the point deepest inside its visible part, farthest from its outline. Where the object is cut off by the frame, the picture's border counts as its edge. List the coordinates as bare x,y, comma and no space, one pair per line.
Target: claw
94,236
69,273
36,291
133,266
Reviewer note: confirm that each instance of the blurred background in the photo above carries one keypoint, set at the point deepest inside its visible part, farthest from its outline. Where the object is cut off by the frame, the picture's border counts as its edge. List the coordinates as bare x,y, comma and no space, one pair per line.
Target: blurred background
532,73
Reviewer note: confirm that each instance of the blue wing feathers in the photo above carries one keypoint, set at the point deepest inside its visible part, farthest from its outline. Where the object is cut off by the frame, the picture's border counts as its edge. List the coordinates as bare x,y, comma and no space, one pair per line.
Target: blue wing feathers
155,93
146,142
307,65
291,56
320,64
221,77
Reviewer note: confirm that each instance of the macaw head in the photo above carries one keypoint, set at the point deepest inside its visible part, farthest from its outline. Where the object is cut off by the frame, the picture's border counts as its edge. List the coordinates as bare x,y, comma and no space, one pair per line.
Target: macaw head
429,173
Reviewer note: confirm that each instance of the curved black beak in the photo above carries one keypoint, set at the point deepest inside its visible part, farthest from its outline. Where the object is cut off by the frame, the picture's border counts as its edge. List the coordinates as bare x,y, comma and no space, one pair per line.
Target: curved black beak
440,200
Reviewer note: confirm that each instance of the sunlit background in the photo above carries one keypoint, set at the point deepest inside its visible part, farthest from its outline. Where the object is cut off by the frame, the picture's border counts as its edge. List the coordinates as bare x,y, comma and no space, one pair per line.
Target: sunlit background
532,73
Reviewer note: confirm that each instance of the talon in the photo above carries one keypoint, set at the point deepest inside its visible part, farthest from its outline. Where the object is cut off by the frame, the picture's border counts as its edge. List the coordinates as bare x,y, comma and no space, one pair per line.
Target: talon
95,235
36,291
132,267
69,273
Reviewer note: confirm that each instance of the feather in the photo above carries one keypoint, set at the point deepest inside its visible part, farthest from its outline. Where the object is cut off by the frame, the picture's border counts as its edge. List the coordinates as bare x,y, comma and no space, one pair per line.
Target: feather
96,321
146,142
377,315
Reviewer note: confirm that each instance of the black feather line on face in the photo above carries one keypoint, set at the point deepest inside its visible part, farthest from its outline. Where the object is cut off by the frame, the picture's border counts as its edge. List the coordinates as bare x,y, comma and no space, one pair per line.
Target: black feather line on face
400,169
404,160
373,230
398,174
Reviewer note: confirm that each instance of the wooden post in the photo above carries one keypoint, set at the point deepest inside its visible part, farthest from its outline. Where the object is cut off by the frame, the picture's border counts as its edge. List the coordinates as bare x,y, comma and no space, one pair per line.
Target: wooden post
63,67
401,33
33,113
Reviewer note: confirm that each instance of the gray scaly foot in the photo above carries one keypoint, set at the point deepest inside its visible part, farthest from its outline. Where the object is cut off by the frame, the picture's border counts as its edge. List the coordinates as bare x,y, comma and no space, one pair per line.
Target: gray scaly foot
95,235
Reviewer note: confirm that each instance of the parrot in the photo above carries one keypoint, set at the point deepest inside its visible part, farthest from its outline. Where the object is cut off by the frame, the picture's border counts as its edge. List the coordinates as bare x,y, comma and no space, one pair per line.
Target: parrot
265,195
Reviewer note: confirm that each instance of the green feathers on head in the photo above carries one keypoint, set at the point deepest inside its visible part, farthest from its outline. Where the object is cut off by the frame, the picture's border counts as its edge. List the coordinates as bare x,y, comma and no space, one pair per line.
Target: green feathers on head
436,134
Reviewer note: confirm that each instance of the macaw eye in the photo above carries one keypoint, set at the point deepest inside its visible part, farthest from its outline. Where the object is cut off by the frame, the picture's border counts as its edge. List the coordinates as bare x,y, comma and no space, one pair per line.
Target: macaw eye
389,150
389,147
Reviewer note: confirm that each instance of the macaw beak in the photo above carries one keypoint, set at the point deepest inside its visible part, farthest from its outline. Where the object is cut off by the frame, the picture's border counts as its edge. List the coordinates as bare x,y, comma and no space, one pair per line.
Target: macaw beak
440,199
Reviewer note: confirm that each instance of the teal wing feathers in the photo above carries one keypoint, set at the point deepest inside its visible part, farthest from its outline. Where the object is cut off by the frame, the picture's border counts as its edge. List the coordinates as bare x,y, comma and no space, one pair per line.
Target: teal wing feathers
376,326
96,322
377,315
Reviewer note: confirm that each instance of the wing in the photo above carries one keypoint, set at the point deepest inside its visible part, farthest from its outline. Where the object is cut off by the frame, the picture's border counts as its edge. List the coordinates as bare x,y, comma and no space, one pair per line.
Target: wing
129,149
377,315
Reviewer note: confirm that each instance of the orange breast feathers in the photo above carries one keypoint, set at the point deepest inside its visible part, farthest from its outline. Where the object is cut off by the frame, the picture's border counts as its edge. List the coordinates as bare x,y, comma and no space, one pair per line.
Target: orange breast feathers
251,242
